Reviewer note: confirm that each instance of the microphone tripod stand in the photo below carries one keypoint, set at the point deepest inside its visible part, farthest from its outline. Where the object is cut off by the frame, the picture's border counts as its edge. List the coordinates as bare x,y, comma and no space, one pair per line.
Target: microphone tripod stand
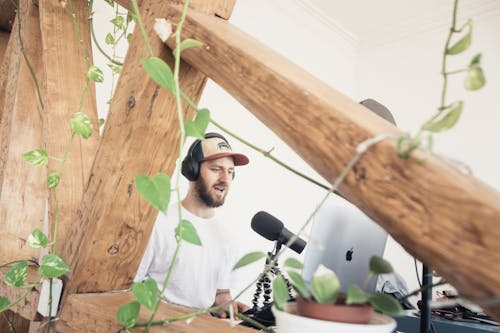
264,283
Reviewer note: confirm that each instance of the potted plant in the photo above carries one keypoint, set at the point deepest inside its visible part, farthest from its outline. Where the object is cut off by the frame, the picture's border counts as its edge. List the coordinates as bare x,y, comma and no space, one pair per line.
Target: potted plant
321,304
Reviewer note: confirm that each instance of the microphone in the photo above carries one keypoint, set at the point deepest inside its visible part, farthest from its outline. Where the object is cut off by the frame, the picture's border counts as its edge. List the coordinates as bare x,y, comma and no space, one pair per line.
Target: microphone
273,229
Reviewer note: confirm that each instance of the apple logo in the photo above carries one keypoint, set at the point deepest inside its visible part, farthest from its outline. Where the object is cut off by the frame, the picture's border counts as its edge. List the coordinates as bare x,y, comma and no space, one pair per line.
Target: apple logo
348,254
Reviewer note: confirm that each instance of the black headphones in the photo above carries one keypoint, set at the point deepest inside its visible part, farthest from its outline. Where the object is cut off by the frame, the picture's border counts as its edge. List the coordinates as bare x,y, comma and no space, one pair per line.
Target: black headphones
191,163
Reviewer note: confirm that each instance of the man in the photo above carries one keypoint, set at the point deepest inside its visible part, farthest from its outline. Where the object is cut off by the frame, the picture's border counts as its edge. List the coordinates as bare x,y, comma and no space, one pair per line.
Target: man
201,274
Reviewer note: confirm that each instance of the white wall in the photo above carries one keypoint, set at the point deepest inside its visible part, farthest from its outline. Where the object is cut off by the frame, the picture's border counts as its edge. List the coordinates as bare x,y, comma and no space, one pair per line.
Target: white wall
402,74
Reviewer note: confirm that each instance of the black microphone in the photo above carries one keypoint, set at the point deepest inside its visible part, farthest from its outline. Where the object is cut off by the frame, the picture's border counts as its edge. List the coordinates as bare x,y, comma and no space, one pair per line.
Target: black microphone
273,229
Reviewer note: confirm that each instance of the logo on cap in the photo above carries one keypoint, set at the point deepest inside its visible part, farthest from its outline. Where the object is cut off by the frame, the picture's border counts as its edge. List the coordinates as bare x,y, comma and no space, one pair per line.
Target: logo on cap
223,146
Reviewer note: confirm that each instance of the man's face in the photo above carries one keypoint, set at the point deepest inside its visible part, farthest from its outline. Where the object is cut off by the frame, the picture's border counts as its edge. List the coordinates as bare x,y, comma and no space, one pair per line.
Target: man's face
215,178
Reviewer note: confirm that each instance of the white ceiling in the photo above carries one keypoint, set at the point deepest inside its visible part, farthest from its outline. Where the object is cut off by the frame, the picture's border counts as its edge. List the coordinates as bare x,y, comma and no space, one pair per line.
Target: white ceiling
372,19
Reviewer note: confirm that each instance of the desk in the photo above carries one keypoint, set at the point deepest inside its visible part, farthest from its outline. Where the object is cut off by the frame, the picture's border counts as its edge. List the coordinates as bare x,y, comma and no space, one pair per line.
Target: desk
410,323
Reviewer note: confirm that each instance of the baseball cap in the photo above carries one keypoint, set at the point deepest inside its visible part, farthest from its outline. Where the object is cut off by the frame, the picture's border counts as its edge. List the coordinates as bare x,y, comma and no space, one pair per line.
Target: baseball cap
214,147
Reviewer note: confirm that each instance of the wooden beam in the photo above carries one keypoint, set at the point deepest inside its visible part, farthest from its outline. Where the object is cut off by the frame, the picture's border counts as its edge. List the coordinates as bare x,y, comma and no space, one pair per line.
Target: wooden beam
23,187
7,14
219,8
64,87
445,218
28,307
4,40
99,311
113,228
13,322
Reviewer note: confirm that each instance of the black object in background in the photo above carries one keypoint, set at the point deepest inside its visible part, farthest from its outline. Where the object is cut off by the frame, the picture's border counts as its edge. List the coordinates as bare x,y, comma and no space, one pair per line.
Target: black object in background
273,229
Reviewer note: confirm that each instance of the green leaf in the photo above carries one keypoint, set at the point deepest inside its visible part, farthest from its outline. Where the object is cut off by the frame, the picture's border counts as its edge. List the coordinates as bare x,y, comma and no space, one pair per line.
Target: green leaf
155,190
128,314
386,304
197,127
355,295
463,44
293,263
95,74
186,231
186,44
101,121
476,60
37,157
17,274
53,179
146,293
118,22
110,40
159,72
299,284
249,258
129,37
110,2
325,288
280,292
475,78
52,266
38,239
115,68
4,304
379,265
448,120
130,17
81,125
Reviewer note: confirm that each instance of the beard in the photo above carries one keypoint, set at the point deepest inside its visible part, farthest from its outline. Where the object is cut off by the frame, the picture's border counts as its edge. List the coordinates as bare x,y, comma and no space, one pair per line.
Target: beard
209,199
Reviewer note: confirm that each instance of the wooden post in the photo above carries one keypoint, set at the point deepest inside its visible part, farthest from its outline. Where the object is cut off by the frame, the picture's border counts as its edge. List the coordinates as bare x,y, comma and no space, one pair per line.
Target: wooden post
23,186
4,40
63,90
100,310
445,218
141,136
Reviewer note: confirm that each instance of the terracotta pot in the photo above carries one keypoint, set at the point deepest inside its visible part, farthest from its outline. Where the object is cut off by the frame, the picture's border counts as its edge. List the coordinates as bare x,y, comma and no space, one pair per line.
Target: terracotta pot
356,314
289,321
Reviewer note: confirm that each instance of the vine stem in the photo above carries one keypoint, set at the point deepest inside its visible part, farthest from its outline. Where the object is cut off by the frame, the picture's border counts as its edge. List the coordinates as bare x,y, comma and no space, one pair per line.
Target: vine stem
25,56
181,143
141,27
78,33
91,23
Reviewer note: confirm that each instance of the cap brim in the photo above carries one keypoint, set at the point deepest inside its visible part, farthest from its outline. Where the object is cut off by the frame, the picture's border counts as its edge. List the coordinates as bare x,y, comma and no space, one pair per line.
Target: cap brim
239,159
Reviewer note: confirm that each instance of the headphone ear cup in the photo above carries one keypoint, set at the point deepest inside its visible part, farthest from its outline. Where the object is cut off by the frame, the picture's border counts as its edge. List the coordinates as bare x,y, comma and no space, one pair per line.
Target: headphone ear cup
190,169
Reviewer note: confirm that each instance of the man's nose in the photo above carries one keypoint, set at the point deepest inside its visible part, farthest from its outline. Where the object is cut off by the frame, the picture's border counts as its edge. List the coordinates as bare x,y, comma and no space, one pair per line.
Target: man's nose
226,176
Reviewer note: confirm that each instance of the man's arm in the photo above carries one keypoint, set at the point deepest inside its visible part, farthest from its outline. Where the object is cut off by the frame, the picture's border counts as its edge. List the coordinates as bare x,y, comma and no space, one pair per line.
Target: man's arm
223,296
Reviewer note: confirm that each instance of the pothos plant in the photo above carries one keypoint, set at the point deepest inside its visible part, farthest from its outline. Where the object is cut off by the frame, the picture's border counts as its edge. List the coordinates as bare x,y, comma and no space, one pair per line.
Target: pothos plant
325,287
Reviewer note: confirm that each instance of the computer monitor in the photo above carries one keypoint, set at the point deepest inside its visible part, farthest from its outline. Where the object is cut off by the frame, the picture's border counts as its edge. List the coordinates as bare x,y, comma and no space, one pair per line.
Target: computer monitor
344,239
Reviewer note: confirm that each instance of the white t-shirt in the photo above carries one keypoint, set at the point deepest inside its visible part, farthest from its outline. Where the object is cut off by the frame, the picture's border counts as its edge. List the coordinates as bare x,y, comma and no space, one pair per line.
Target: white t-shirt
199,270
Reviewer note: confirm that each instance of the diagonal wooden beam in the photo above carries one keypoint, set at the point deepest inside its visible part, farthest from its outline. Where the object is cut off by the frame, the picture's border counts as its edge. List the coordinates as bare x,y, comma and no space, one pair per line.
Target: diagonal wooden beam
64,87
219,8
100,310
445,218
141,136
23,187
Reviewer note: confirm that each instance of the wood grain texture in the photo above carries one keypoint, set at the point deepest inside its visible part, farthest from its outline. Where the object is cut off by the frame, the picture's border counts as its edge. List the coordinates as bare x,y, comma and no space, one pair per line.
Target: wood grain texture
65,69
28,307
98,311
7,14
23,187
141,136
4,40
20,324
445,218
220,8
